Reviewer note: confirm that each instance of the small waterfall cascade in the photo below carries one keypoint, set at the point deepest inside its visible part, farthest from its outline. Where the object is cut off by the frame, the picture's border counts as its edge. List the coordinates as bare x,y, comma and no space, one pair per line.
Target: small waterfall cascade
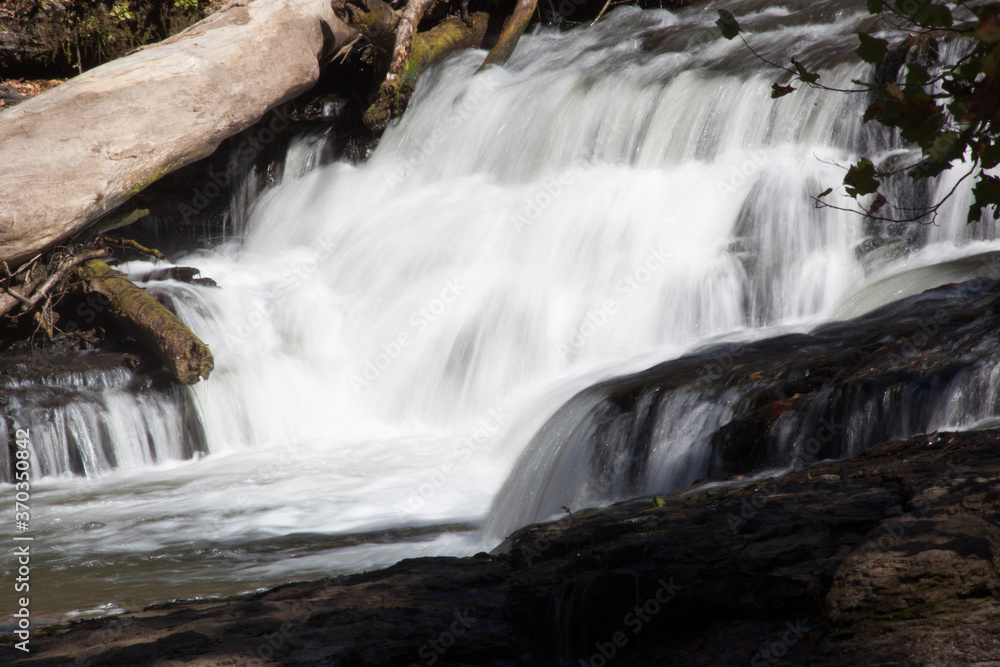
478,316
96,409
756,406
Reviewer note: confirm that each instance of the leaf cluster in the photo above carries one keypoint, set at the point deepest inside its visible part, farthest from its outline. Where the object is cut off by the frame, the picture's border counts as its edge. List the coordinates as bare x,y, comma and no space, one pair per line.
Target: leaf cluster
950,110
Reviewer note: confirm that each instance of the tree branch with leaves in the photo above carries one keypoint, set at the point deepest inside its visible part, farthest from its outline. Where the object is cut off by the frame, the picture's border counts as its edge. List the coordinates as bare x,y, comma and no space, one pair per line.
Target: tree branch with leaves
949,110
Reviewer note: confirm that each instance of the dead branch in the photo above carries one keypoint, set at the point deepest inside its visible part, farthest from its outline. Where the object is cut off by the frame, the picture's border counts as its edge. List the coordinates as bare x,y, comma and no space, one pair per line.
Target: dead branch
33,288
59,275
406,30
135,245
511,33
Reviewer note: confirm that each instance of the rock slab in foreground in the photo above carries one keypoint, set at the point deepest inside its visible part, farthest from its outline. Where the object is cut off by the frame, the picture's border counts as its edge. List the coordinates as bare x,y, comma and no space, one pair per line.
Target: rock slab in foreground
77,151
888,558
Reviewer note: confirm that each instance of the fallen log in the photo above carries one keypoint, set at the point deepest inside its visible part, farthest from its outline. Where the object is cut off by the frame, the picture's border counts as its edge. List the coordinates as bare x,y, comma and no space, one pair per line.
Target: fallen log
77,151
395,32
149,322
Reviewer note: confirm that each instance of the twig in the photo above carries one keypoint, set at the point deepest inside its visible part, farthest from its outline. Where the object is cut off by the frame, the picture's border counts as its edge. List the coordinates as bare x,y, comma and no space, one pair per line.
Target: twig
345,50
607,3
135,245
17,295
797,75
58,276
41,319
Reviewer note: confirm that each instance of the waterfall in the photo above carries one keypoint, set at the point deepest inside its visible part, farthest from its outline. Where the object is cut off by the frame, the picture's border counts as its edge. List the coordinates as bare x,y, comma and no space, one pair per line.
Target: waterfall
392,339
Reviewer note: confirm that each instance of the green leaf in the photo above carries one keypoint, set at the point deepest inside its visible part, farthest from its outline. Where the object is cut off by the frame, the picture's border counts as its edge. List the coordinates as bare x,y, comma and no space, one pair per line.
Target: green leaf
959,110
877,205
873,112
986,194
887,110
824,193
920,120
805,75
983,10
727,24
968,71
780,91
965,26
860,179
916,76
990,62
989,154
927,168
947,147
933,16
874,6
872,49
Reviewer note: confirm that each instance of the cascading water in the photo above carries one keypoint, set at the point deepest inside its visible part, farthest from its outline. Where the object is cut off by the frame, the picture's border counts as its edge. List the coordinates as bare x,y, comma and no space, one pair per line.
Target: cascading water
389,337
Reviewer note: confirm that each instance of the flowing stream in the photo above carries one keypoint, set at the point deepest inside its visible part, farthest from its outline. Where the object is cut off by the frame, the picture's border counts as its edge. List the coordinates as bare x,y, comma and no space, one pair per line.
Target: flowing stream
390,337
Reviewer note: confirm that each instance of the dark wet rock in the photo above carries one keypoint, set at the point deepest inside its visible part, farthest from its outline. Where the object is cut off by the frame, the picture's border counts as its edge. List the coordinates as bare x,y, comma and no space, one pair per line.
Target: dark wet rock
785,401
885,558
880,557
184,274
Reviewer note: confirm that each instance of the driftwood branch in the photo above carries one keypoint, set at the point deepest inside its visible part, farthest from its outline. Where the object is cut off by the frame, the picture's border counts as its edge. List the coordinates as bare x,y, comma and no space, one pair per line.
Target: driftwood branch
413,52
132,243
512,30
406,30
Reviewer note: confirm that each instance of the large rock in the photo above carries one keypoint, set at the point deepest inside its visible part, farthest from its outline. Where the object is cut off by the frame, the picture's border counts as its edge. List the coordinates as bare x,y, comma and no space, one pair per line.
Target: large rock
73,153
740,408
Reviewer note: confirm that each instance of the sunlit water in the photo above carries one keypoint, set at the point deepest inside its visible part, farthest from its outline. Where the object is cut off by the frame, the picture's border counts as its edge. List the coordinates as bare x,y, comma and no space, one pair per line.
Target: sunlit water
389,337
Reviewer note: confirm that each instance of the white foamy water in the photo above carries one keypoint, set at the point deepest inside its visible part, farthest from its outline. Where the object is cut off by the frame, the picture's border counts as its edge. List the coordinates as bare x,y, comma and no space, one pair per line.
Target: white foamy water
389,337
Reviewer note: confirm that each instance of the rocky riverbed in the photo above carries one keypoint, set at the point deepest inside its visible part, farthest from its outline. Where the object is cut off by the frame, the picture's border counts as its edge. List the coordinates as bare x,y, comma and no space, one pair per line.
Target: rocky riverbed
887,558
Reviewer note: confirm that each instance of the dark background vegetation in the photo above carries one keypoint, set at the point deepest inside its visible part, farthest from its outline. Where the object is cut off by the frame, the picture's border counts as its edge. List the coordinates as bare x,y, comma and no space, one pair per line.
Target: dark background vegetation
60,38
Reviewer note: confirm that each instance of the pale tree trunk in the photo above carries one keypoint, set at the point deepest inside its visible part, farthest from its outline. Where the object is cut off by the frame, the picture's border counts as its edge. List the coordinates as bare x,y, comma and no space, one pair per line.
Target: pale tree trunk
512,30
75,152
